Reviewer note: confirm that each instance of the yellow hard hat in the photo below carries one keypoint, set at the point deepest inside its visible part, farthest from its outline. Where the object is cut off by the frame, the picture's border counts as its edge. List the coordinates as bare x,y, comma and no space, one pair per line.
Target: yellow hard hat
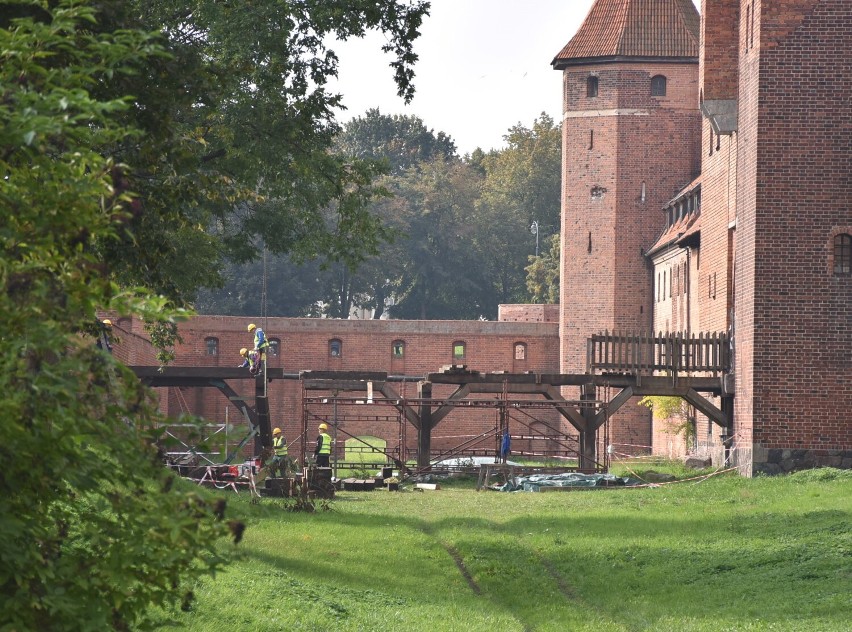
107,322
323,427
243,351
277,431
252,327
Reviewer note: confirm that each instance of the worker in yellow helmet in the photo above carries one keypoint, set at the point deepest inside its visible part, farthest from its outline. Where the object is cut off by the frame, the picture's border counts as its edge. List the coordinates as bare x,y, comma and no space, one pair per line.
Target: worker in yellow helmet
261,344
250,360
104,335
322,452
281,462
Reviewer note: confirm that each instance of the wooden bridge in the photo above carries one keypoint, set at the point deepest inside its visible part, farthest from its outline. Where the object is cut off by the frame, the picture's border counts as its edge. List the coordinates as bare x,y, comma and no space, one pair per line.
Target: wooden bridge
633,364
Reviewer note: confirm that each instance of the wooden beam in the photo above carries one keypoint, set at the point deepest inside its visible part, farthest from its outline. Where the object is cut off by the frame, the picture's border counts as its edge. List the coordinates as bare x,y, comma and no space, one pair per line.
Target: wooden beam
617,402
442,411
571,414
363,376
339,385
390,393
706,407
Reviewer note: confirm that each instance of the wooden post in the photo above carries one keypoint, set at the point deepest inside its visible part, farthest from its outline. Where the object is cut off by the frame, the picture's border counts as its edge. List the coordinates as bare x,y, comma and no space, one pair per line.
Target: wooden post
588,436
424,433
264,436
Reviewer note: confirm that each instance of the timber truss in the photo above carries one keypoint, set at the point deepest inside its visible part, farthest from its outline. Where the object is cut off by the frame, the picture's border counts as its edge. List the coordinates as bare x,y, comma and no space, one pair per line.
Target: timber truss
615,363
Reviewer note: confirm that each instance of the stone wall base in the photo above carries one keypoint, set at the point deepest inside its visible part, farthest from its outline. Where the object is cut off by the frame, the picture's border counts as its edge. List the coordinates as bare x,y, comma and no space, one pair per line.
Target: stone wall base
774,461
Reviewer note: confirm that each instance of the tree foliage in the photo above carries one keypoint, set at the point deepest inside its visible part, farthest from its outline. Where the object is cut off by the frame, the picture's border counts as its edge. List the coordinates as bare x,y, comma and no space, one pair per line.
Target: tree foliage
676,415
127,131
238,122
458,237
401,141
543,273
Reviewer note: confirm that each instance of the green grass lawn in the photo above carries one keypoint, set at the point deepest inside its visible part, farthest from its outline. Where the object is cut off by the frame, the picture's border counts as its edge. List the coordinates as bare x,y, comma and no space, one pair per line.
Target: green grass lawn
726,553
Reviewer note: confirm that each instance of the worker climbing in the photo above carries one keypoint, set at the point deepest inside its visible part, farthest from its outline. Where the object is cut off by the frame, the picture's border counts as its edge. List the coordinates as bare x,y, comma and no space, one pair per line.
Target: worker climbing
322,452
104,335
261,344
251,360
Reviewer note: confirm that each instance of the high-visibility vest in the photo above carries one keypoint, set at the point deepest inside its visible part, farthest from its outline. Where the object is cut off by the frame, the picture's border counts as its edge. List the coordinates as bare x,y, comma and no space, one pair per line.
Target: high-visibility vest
260,341
325,443
280,446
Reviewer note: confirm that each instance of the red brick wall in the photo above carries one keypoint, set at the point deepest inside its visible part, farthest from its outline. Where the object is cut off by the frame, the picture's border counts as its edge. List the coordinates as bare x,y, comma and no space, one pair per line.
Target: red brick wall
719,48
794,319
366,346
528,313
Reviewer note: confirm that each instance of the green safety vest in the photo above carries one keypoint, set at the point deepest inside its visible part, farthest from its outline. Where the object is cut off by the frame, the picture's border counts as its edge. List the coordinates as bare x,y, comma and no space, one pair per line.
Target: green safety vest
280,446
325,443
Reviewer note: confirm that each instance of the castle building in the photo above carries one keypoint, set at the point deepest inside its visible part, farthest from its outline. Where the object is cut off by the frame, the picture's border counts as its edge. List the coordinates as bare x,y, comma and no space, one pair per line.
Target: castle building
707,187
757,241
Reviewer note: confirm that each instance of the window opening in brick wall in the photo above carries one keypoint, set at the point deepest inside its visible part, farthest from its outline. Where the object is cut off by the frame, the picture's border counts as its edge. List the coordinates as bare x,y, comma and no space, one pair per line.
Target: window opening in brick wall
642,195
591,139
335,348
665,283
591,86
711,141
658,86
398,348
458,350
274,347
658,287
748,26
751,37
590,242
212,345
520,351
843,254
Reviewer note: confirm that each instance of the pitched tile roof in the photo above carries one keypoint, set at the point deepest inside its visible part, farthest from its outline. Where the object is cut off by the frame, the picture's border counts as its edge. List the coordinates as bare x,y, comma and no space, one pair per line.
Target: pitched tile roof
616,29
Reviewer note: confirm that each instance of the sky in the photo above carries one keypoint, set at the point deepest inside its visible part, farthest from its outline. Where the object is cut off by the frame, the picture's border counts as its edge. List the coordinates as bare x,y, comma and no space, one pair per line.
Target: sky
484,67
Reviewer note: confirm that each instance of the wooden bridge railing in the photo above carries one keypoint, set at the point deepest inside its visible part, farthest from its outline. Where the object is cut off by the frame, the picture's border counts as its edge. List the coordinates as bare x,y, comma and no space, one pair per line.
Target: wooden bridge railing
646,354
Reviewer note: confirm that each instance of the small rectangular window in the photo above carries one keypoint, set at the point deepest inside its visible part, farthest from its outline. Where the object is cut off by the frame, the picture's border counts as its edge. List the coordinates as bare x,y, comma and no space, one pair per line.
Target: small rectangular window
843,254
398,349
335,348
592,87
458,350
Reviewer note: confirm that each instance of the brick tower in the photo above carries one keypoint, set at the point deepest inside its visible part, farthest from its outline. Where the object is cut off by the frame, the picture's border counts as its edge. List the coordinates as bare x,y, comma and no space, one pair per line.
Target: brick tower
631,140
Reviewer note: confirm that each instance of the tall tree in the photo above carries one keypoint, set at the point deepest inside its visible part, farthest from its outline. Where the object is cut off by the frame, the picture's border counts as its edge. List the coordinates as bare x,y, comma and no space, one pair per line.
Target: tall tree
543,273
436,275
238,125
93,530
119,150
522,186
402,141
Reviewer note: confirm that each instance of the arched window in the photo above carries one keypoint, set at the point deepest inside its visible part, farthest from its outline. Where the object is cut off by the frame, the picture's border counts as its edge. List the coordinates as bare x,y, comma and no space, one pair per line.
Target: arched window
520,351
591,86
658,86
274,347
842,254
335,348
458,350
397,349
212,346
